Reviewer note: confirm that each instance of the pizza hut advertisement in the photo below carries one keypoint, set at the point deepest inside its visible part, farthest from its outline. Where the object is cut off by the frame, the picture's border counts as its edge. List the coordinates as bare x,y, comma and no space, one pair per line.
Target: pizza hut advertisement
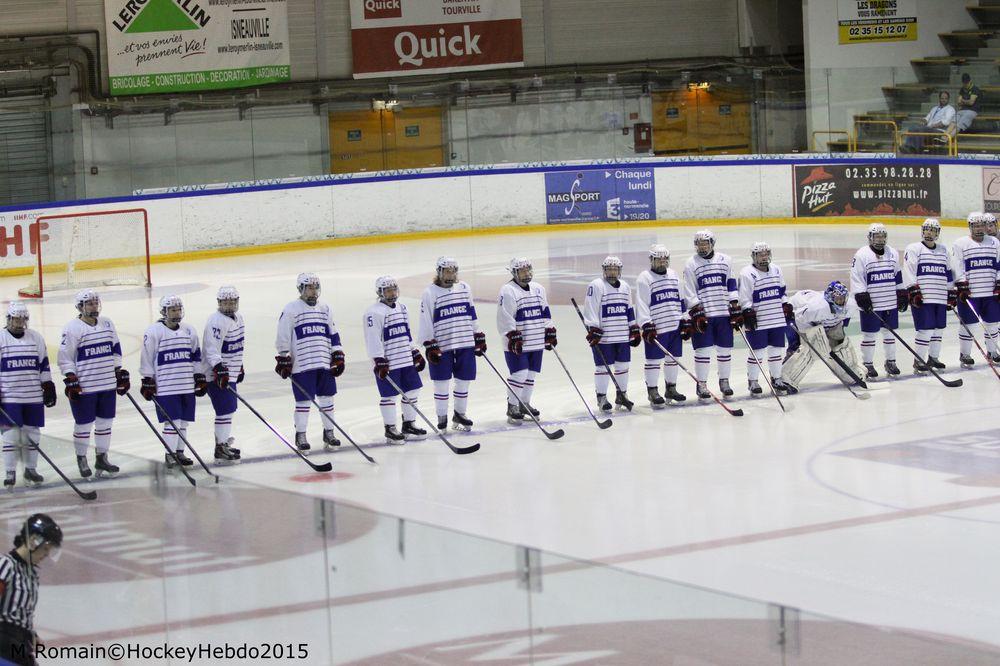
828,190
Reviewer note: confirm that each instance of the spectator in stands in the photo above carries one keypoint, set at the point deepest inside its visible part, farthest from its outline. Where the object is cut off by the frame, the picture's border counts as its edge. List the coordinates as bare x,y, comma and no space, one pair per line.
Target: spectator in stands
969,101
938,120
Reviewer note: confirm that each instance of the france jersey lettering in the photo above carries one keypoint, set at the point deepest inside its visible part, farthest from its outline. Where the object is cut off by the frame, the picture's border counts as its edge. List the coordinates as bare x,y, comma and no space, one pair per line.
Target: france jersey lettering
171,358
92,353
711,283
880,276
930,268
764,292
222,342
976,263
448,316
387,334
24,365
658,300
524,310
609,309
308,334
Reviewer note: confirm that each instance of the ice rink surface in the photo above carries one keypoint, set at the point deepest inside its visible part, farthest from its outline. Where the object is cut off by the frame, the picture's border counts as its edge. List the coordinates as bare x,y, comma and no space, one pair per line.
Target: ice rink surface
882,511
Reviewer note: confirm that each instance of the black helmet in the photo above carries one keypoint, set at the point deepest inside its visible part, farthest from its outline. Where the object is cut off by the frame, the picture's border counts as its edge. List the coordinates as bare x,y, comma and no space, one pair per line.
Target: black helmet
42,525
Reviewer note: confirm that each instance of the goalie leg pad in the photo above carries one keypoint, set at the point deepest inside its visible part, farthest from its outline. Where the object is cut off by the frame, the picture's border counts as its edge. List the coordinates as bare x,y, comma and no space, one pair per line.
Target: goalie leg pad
848,353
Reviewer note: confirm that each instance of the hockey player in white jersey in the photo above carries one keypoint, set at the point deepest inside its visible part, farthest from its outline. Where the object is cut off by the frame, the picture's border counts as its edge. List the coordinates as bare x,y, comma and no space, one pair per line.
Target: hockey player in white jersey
928,278
170,365
450,332
659,309
612,329
710,292
309,351
877,285
222,351
525,322
25,386
390,347
90,359
766,314
975,262
821,317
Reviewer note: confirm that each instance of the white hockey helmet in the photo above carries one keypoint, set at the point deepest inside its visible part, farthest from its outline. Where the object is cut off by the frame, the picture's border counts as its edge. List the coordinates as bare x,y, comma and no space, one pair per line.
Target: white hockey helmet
172,302
306,280
228,299
383,285
704,236
930,229
84,297
975,217
611,267
518,264
760,251
877,233
17,317
447,264
659,252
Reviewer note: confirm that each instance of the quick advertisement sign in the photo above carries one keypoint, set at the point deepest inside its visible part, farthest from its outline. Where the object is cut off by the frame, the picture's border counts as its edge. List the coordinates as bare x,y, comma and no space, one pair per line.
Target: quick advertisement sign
867,189
866,21
400,37
599,195
157,46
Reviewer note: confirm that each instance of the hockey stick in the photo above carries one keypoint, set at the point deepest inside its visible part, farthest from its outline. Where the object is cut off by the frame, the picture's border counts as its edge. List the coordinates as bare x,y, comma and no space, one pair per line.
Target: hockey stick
974,339
455,449
848,370
156,432
603,425
184,439
950,383
626,403
89,495
734,412
764,374
335,424
325,467
524,408
843,366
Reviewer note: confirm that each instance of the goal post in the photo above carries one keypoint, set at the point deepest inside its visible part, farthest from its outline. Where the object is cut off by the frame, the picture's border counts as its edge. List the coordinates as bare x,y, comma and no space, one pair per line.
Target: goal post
89,249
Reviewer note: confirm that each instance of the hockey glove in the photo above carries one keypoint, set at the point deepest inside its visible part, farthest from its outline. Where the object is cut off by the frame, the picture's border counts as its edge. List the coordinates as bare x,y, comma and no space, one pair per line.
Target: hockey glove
789,313
735,315
902,300
952,299
381,368
750,319
200,384
122,377
964,292
594,336
239,377
337,363
699,321
284,366
649,332
515,342
148,388
915,296
49,394
634,336
550,338
686,329
864,301
479,338
418,361
433,351
73,389
220,375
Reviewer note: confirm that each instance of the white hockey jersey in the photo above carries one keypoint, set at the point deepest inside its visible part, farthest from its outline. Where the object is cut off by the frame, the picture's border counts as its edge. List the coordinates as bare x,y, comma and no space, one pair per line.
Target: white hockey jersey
307,333
812,309
710,282
764,292
931,269
171,358
387,334
609,309
658,300
222,342
92,353
880,276
448,316
976,263
24,365
524,310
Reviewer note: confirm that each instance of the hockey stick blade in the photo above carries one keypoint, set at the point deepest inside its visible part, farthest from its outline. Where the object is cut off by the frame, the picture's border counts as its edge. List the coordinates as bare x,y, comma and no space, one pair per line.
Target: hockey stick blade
184,439
764,374
160,437
734,412
603,425
524,408
455,449
950,383
335,424
325,467
626,403
89,495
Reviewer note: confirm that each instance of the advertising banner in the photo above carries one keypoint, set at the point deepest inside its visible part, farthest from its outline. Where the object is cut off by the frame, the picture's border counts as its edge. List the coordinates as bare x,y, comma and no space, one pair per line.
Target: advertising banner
400,37
158,46
991,190
599,195
866,21
867,189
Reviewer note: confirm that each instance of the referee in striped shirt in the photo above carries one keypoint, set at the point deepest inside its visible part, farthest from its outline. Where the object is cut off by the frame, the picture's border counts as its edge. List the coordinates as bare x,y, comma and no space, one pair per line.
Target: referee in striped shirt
38,538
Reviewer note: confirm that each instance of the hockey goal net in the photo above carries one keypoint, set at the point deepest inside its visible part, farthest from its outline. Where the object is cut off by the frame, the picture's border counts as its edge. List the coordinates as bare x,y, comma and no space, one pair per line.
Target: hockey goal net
76,250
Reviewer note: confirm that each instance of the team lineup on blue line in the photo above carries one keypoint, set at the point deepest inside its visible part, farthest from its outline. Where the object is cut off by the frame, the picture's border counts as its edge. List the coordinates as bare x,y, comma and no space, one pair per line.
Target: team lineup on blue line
707,304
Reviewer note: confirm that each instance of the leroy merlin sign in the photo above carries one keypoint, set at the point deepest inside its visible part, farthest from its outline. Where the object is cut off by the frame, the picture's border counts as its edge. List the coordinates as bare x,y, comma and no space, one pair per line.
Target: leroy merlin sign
157,46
